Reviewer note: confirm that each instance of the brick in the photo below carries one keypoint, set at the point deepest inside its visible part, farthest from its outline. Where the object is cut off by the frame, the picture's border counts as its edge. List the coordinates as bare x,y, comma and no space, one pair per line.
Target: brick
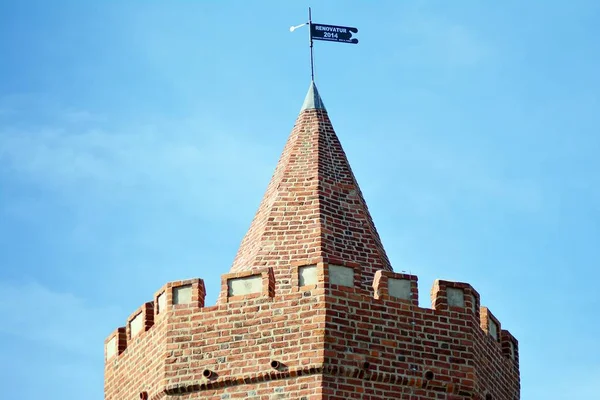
319,297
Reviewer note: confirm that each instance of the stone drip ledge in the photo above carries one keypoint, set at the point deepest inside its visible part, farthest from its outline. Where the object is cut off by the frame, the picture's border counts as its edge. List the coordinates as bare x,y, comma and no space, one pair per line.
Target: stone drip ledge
334,370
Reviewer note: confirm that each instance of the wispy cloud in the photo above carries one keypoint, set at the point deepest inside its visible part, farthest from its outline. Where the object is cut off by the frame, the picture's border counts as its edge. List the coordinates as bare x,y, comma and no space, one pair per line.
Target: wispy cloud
58,320
437,175
172,161
114,198
56,337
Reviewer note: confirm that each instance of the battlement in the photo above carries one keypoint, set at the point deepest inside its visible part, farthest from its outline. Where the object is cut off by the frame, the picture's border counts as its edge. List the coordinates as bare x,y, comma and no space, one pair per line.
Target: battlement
312,308
327,325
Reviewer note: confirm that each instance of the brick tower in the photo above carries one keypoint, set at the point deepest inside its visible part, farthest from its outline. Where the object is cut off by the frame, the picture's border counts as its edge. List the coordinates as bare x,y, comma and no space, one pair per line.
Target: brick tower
311,308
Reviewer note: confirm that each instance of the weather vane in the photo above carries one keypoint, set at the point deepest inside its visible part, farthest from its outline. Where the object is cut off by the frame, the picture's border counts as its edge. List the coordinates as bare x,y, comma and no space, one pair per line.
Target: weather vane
329,33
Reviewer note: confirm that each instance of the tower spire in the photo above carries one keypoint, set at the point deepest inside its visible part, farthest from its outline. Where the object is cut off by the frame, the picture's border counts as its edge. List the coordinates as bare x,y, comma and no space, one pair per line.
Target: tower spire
313,209
313,101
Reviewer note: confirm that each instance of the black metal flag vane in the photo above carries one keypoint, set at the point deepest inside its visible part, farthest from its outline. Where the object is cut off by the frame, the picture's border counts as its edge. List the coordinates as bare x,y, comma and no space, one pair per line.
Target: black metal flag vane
328,33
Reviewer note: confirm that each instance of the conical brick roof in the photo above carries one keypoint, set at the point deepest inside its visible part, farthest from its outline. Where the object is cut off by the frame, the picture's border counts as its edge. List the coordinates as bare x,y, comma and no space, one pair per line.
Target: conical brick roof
313,209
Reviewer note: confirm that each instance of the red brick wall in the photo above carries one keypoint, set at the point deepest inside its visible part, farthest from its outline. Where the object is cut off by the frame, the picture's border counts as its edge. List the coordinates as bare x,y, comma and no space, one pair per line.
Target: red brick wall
236,340
139,368
392,344
333,343
313,209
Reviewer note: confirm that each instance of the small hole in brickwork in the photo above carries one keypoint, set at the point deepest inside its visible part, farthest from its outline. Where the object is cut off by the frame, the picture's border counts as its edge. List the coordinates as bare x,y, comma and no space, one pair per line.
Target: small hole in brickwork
207,373
144,395
275,364
429,375
366,365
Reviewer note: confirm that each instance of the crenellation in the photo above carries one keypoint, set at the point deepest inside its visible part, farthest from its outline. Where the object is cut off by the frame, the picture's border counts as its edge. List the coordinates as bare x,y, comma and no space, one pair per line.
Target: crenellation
424,328
241,286
456,296
115,343
140,321
306,275
510,347
408,291
312,309
490,324
165,298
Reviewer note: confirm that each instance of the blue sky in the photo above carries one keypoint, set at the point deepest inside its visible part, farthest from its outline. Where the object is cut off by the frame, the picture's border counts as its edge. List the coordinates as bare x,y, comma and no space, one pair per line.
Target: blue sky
137,138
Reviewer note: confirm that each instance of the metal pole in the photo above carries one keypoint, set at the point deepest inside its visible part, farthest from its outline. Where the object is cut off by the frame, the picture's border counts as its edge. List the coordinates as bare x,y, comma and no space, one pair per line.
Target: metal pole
312,63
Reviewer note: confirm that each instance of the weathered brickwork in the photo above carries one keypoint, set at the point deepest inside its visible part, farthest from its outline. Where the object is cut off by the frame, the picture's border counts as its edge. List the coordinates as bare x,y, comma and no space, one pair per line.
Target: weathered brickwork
444,351
330,341
233,342
312,309
313,209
